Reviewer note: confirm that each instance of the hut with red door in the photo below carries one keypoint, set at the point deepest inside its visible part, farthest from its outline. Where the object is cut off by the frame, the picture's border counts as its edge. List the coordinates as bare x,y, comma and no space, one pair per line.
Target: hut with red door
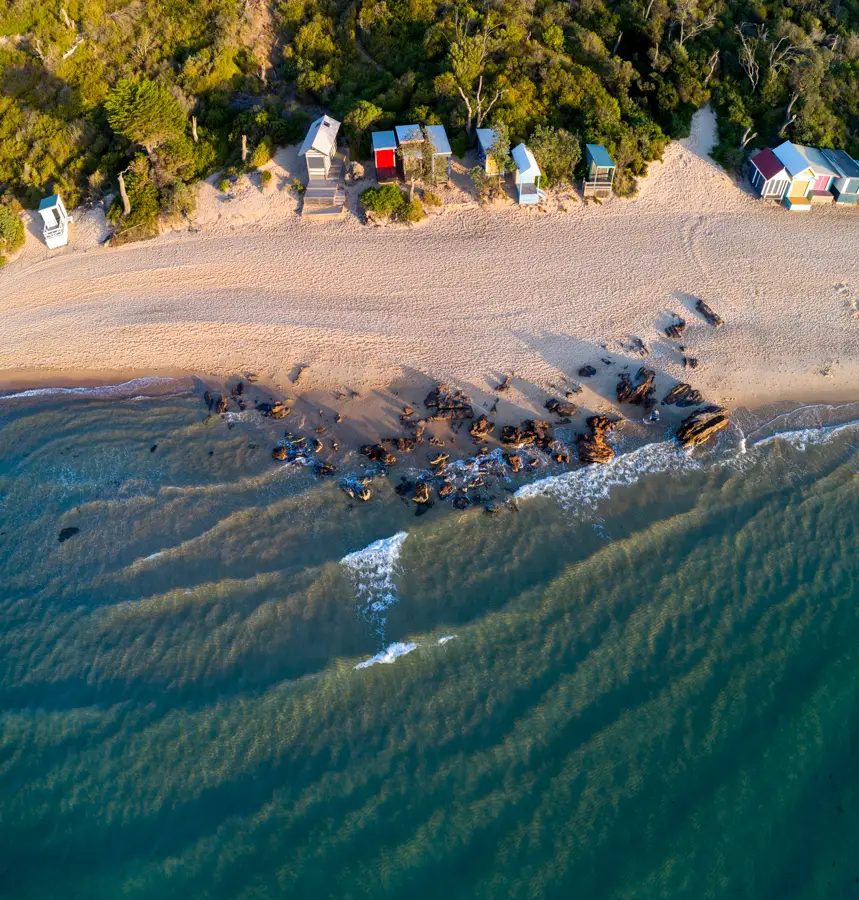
385,155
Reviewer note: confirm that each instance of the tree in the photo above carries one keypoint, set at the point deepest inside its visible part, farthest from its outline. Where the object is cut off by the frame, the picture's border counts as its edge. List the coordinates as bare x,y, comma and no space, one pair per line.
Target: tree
145,112
357,124
11,231
499,152
690,20
557,152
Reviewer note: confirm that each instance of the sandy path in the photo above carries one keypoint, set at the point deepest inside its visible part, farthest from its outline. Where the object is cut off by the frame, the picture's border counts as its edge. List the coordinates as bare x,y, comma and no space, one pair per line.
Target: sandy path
467,295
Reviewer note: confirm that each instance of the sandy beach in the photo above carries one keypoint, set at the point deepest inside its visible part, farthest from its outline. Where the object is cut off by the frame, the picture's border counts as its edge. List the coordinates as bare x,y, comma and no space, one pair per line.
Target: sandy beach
467,296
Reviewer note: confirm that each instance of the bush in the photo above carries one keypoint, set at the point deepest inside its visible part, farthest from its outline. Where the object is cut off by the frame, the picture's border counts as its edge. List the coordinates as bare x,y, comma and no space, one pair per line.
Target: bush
431,199
387,200
265,178
557,153
11,230
224,185
297,186
411,213
262,153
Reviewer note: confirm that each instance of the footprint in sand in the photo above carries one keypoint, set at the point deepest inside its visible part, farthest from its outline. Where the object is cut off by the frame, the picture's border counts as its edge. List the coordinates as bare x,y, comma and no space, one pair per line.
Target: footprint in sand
849,297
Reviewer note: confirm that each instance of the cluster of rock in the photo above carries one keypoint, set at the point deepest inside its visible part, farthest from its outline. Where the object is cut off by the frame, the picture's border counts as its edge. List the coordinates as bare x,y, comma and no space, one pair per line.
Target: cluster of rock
449,404
593,446
715,320
702,425
378,453
529,433
481,428
217,404
683,395
561,408
676,329
587,372
638,392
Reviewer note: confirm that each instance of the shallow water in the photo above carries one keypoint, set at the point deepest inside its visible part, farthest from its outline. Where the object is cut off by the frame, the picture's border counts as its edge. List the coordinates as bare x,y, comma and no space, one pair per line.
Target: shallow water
639,681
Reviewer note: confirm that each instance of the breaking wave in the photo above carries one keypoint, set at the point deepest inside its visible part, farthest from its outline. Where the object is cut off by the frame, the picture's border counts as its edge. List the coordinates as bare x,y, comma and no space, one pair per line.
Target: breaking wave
127,390
372,570
585,488
390,654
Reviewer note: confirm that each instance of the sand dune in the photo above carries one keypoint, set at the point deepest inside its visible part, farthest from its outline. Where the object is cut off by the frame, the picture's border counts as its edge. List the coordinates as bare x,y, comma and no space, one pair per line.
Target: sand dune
466,296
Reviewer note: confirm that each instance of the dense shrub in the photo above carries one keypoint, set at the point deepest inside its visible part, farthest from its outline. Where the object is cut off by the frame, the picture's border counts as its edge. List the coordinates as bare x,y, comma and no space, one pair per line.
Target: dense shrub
224,185
431,199
387,200
265,178
411,212
557,153
262,153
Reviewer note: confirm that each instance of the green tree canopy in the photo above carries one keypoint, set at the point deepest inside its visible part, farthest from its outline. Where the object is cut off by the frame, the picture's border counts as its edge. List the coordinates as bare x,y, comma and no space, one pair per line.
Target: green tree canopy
558,153
145,112
11,231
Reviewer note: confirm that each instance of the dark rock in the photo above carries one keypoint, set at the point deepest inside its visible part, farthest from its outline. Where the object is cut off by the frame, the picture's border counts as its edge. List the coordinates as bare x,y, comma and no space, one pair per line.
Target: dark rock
637,345
324,470
515,437
67,533
587,372
455,415
279,453
404,445
607,361
422,493
676,330
278,410
407,410
683,395
531,432
440,460
252,377
690,362
317,445
446,489
377,453
442,397
481,428
640,392
153,448
460,501
363,493
715,320
561,407
515,462
593,447
561,454
504,384
702,425
238,390
221,405
210,400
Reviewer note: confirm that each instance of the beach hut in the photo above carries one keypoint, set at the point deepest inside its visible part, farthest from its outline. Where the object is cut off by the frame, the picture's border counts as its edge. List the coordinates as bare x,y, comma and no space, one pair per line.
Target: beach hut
824,174
441,152
319,147
800,174
55,219
385,155
601,169
845,188
527,175
768,175
486,138
410,140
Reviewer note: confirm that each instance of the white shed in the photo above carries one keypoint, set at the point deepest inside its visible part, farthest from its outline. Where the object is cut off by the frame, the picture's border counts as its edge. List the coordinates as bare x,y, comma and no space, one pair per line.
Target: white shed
527,175
319,147
55,221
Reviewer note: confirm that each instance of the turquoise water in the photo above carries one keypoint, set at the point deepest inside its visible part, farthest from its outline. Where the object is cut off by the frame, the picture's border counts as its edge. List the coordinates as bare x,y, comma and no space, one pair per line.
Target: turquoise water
232,682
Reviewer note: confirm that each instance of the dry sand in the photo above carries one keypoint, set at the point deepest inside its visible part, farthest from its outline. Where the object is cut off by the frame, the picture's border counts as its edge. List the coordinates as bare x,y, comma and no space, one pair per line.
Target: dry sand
467,296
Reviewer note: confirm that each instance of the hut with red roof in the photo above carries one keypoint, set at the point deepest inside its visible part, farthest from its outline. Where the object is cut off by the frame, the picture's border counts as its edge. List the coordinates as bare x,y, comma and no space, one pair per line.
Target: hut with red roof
768,175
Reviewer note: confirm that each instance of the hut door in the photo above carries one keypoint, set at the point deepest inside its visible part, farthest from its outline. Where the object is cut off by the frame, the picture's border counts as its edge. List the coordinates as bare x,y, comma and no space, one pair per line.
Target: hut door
821,183
385,159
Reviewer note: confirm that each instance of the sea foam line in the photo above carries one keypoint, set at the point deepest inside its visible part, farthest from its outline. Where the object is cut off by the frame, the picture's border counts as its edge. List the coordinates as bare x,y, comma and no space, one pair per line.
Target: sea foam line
125,390
586,487
389,655
372,570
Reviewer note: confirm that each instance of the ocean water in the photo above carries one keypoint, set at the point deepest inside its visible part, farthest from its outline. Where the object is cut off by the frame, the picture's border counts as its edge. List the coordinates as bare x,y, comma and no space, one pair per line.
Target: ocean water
231,681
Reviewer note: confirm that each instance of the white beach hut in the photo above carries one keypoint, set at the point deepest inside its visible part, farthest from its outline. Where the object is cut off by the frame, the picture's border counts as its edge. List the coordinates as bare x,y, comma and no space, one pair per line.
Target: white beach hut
55,219
319,147
527,175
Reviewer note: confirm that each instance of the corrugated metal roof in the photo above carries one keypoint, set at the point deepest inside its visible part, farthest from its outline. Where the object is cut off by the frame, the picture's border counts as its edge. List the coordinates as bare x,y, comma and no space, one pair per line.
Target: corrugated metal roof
599,155
792,158
486,138
438,136
49,202
384,140
525,163
818,162
767,163
846,165
321,136
409,134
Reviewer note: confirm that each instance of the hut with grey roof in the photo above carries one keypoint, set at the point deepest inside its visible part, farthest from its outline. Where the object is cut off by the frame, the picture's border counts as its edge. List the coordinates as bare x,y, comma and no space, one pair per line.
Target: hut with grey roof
320,147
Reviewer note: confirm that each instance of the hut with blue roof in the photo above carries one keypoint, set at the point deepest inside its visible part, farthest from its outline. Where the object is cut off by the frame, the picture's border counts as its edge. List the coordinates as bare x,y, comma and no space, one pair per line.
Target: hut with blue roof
486,138
55,221
601,170
441,152
410,141
845,188
385,155
527,176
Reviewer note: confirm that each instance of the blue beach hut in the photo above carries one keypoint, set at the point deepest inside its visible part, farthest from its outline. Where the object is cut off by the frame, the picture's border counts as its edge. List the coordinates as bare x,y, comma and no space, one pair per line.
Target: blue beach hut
527,176
601,169
845,188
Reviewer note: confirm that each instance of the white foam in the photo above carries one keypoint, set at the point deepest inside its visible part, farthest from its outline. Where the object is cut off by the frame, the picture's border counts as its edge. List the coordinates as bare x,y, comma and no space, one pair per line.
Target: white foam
586,487
126,390
389,655
807,437
445,638
373,570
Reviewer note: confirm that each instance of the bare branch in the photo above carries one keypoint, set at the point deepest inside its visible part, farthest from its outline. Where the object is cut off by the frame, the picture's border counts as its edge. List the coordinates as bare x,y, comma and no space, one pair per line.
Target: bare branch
747,138
789,116
749,56
712,62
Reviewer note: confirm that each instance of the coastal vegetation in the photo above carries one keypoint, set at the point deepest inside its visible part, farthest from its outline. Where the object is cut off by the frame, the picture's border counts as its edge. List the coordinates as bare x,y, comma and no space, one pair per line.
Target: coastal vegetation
165,93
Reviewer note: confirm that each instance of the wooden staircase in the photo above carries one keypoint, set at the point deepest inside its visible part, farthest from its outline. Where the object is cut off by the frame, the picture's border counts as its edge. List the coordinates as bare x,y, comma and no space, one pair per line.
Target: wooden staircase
325,198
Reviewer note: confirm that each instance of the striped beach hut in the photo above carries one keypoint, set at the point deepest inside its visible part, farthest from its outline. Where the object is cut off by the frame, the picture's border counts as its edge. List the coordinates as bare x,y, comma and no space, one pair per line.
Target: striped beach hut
768,175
